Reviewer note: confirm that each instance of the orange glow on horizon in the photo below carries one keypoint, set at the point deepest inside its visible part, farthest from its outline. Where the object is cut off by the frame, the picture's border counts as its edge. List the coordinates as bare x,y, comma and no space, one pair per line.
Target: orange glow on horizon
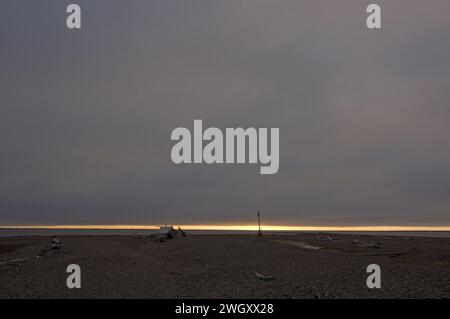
241,227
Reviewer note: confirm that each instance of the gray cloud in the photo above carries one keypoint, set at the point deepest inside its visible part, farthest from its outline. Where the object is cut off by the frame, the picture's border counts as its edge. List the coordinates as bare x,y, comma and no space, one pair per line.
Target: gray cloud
86,116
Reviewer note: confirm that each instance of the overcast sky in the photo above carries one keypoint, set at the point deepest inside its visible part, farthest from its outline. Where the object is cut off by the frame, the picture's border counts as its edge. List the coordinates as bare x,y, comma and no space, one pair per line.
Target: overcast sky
86,116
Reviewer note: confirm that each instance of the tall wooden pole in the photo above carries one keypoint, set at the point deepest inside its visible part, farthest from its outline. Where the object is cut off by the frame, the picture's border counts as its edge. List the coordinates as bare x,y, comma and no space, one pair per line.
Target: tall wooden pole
259,225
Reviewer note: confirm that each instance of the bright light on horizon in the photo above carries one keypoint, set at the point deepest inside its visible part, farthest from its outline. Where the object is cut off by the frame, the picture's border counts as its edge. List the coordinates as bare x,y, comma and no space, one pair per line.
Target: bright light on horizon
241,227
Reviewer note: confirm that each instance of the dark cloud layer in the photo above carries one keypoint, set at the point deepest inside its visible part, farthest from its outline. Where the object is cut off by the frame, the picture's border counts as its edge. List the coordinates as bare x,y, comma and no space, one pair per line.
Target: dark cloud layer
86,116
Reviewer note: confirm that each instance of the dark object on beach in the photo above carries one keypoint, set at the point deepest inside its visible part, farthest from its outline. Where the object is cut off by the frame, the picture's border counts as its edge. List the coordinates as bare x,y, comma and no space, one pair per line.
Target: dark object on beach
262,277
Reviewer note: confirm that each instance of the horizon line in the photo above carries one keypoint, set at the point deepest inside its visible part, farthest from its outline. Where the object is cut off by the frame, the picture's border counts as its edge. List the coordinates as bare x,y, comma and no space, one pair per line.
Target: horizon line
236,227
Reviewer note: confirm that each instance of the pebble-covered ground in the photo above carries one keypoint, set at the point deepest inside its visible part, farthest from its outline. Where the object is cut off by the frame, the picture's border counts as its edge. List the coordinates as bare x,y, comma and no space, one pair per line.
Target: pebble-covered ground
304,265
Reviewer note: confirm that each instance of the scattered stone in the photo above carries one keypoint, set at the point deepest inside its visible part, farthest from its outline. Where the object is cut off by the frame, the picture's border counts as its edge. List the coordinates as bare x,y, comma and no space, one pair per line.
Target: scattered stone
324,295
262,277
56,244
323,237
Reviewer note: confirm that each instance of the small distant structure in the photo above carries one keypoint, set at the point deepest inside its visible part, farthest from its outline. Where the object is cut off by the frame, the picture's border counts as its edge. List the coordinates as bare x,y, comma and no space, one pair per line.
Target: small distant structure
168,232
259,225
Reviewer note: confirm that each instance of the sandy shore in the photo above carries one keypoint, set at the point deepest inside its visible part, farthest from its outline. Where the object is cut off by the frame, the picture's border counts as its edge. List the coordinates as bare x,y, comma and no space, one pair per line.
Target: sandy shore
223,266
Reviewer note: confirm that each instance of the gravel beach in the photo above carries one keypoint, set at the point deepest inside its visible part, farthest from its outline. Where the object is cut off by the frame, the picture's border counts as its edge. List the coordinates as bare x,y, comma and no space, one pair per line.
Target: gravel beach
303,265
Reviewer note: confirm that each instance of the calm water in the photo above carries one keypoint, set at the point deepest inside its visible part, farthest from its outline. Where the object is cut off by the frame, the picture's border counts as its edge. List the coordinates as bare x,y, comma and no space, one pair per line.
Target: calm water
128,232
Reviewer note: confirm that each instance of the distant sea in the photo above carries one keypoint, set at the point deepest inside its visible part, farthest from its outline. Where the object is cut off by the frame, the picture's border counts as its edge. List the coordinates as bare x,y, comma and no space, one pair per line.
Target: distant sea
128,232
